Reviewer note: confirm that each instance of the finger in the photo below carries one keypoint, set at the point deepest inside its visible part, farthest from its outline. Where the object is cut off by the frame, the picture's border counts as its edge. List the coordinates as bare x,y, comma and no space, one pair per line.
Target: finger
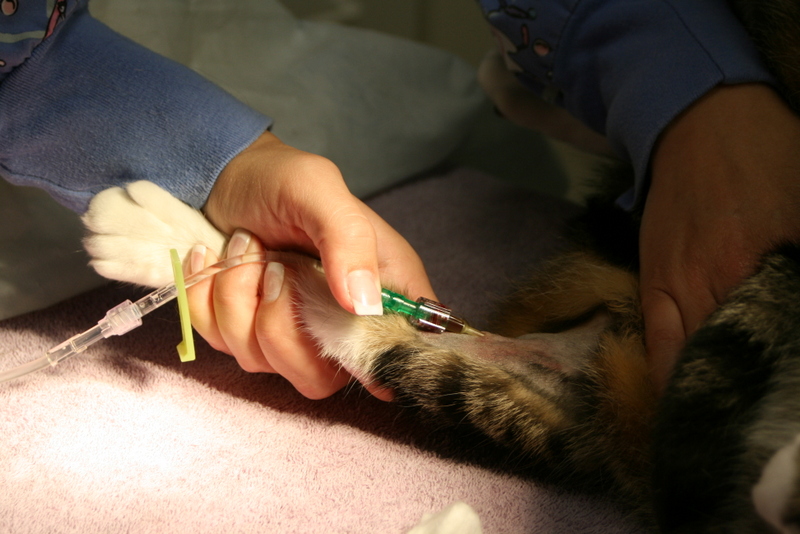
236,296
200,296
664,335
379,392
288,348
399,264
347,246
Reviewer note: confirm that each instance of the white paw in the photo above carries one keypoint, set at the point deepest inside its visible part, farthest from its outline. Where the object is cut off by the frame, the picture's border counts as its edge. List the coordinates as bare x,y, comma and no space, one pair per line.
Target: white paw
777,488
132,230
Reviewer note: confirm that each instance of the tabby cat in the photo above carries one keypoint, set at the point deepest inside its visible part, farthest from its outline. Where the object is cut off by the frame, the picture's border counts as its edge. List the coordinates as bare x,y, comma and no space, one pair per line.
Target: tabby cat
562,382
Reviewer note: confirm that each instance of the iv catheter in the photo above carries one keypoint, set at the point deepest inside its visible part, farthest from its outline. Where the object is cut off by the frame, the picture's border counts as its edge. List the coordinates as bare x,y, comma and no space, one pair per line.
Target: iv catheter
424,314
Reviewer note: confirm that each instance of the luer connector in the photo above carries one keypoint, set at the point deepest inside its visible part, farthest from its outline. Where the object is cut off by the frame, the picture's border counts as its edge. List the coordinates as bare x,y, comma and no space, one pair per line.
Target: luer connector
426,314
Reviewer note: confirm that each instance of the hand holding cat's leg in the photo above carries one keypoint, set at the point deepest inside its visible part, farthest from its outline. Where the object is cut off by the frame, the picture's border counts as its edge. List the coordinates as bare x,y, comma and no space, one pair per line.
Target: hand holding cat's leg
292,200
724,190
248,312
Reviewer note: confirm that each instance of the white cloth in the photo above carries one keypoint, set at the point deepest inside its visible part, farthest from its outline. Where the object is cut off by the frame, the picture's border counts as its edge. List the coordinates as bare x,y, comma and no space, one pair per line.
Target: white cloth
458,518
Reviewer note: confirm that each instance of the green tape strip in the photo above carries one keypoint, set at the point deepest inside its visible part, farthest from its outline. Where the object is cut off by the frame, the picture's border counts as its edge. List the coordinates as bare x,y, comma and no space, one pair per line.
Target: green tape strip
185,347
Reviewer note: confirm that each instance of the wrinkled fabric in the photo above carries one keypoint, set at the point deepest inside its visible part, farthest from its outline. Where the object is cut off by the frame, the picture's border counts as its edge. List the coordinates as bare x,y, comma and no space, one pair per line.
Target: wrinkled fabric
625,68
86,109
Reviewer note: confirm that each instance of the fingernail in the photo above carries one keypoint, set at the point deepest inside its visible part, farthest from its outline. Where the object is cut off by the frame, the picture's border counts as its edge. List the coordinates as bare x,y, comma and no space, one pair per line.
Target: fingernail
197,259
239,242
273,281
365,293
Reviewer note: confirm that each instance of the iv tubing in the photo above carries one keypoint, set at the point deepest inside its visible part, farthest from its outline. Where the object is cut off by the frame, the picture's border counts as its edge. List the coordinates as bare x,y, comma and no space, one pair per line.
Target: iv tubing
121,319
127,315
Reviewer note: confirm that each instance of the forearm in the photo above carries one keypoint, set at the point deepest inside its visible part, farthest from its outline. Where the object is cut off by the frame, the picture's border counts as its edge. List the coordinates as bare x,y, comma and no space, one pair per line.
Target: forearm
90,109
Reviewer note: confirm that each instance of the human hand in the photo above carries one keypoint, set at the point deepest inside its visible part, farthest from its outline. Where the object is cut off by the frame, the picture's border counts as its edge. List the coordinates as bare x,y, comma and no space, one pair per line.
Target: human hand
293,200
725,189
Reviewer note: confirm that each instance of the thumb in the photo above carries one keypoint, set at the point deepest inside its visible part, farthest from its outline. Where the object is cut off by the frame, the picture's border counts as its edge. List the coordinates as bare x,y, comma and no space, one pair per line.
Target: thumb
348,248
664,335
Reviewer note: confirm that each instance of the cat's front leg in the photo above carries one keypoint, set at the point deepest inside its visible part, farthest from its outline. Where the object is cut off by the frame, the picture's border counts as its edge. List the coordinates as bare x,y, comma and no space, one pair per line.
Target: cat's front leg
515,391
354,342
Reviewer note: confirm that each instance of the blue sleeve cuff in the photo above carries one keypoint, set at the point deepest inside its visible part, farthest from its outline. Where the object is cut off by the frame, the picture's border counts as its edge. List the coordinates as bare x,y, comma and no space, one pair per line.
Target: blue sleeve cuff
626,68
91,109
635,69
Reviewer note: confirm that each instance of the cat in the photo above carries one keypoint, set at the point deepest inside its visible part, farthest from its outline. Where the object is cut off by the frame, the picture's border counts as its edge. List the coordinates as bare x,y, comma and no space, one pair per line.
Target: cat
533,390
561,383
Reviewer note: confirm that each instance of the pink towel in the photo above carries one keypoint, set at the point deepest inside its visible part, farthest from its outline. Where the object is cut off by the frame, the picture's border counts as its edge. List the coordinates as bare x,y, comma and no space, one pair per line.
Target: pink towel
125,438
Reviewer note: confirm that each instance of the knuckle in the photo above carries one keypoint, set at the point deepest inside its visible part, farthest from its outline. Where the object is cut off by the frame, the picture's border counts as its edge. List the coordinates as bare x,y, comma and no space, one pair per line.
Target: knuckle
267,334
352,224
232,285
306,168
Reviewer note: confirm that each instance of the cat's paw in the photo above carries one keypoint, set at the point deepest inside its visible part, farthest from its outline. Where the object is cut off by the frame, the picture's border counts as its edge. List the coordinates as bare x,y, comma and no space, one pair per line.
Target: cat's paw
131,231
777,494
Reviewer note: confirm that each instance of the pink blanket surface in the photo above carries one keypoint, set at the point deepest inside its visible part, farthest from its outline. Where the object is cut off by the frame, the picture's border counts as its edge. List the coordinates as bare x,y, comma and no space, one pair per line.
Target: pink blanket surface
125,438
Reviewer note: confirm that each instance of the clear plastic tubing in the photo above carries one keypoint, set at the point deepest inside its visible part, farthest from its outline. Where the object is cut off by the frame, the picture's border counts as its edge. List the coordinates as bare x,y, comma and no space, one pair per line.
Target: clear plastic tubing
128,315
121,319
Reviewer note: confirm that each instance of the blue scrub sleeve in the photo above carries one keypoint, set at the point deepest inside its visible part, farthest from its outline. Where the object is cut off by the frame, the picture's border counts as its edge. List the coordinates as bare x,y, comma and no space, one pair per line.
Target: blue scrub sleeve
90,109
626,68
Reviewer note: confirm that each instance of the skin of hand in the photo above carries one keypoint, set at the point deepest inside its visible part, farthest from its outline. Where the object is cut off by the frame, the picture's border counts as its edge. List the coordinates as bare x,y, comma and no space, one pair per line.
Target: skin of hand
725,188
294,200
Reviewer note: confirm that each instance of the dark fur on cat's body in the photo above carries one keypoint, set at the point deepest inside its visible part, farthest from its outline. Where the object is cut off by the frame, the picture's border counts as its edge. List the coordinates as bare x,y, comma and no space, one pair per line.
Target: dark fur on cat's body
733,400
773,26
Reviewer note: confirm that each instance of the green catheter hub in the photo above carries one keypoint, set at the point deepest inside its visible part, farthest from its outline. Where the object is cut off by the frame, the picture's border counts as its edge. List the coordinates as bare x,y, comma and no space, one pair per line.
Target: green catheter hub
426,314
